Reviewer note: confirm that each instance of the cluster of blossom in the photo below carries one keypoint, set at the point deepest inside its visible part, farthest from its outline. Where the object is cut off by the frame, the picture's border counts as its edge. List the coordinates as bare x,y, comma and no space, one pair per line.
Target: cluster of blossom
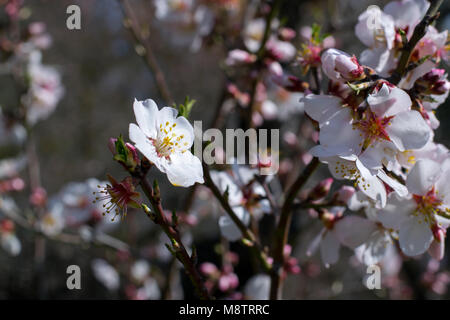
380,136
192,22
276,95
40,90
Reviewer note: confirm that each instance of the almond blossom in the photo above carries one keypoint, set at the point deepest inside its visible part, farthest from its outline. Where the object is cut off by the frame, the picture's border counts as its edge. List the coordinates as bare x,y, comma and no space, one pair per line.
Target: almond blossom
165,140
387,126
422,216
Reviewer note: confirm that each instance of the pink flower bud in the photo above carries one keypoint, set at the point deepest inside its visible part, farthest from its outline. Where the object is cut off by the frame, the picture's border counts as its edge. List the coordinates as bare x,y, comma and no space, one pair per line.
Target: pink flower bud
237,56
208,269
38,197
344,194
7,226
287,250
228,282
340,66
433,82
36,28
437,247
286,34
134,152
320,190
290,138
112,145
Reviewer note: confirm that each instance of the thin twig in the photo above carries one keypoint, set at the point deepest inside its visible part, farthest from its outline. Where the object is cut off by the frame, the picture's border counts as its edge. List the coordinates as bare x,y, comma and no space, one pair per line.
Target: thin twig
282,231
260,55
249,237
149,57
419,31
176,247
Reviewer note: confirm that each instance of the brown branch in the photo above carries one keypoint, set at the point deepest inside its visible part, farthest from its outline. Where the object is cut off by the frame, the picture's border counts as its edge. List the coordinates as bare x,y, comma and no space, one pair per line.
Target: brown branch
282,231
260,55
248,236
176,247
419,31
149,57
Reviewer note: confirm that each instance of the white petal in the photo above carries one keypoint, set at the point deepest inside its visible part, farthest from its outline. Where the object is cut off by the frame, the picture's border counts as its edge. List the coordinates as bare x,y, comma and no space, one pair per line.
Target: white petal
371,186
184,169
146,147
408,131
329,248
314,245
375,248
166,114
415,236
443,188
146,113
396,211
380,59
423,176
352,231
227,227
399,188
407,13
379,153
321,107
339,136
389,101
437,249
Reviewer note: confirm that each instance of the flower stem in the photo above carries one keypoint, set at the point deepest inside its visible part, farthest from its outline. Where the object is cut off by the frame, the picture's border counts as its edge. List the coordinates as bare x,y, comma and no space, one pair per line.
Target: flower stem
176,247
248,236
419,31
282,230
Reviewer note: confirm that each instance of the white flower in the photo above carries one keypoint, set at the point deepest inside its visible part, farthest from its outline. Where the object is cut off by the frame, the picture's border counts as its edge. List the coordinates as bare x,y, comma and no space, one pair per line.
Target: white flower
169,9
44,93
253,34
430,45
10,243
350,231
53,221
149,291
382,60
258,287
388,125
375,28
379,241
228,228
433,151
165,140
407,13
417,217
243,192
371,184
140,270
106,274
81,206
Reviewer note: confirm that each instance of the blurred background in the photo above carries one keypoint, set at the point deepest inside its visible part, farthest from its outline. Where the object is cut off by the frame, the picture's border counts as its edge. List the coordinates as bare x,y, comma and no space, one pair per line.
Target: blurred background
102,72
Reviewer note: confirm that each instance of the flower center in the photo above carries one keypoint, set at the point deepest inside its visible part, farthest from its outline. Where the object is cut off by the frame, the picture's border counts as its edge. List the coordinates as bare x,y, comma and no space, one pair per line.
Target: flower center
428,205
168,141
373,128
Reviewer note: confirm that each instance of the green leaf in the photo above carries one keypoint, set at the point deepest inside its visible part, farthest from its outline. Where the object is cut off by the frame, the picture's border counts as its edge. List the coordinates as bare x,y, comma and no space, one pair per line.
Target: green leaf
185,108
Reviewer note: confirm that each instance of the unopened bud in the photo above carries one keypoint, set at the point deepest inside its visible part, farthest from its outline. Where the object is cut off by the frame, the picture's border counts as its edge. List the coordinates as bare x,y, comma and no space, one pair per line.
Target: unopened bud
320,190
286,34
340,66
38,197
237,56
344,194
